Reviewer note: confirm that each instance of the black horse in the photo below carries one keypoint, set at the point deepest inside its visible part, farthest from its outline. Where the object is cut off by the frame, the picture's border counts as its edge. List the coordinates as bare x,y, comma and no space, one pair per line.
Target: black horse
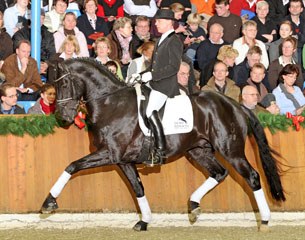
220,124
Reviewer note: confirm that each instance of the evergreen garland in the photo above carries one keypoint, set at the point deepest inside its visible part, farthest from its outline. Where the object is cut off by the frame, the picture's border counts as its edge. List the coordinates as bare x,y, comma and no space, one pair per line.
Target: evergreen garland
33,125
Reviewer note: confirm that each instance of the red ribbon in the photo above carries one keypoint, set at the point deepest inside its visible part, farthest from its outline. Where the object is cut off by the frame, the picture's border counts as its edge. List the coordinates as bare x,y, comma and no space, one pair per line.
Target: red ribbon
296,120
79,120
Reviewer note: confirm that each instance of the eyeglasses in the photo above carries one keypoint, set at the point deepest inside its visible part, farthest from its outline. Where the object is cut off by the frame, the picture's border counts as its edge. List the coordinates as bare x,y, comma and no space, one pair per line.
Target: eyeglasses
253,94
13,96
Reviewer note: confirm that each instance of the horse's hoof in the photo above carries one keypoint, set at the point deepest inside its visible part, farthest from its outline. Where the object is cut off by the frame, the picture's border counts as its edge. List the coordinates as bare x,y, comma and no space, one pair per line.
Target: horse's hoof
264,228
49,205
194,211
140,226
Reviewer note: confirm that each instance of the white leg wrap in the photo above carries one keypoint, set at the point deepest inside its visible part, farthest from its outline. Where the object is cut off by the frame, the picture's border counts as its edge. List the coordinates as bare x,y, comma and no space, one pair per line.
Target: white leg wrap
60,184
209,184
262,205
145,209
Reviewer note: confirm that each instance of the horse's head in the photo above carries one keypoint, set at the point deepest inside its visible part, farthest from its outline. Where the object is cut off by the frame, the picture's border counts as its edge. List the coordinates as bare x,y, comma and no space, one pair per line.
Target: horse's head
67,99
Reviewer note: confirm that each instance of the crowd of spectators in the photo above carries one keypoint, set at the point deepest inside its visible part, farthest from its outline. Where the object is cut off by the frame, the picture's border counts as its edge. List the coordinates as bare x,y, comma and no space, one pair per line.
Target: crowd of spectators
245,49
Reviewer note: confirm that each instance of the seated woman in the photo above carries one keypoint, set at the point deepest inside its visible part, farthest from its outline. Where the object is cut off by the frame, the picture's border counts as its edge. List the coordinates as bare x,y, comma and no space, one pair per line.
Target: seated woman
120,39
90,25
102,48
110,10
289,97
140,64
266,28
46,103
289,46
274,51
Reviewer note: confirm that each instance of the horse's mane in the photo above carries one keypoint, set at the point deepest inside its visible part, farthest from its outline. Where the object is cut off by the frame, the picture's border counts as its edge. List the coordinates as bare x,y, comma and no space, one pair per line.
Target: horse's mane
92,62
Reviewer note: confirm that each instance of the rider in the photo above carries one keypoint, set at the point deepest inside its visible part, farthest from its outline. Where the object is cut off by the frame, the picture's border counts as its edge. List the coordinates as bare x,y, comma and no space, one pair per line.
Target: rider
163,73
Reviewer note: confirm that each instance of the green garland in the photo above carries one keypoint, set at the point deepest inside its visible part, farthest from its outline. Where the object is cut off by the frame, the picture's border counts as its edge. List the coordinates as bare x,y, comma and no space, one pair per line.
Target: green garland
277,122
33,125
36,125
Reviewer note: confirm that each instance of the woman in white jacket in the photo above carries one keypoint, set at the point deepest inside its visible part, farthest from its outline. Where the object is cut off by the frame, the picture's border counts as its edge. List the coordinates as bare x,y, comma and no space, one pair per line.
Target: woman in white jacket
69,28
140,64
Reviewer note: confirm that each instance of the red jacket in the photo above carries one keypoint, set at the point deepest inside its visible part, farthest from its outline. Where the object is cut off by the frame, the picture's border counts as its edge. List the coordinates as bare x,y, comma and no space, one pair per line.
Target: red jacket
108,8
237,5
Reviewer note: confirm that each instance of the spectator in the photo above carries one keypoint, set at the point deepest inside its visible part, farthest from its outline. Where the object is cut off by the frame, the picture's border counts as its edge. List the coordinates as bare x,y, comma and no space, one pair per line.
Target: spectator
227,54
230,22
275,50
288,49
248,40
195,37
183,79
6,46
102,50
112,67
142,63
21,71
185,3
90,25
289,97
110,10
250,98
221,83
120,40
4,4
206,9
54,17
257,74
242,70
269,103
16,17
278,10
266,28
134,8
47,48
69,28
46,103
8,95
141,35
208,49
298,25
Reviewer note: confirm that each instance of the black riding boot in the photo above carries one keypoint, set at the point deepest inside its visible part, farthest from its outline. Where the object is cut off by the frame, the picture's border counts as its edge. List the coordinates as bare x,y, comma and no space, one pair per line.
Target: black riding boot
158,155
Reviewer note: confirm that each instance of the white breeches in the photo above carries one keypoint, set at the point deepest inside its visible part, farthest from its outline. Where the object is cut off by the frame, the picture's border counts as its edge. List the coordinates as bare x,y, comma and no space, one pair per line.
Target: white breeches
155,102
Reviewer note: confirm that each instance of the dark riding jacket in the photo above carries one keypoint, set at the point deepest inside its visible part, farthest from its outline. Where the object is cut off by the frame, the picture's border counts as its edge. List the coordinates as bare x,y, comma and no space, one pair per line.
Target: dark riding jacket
165,65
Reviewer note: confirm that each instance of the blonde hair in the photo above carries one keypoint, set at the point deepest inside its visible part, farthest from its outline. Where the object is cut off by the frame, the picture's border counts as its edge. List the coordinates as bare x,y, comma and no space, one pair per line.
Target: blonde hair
194,18
261,4
145,46
249,23
103,40
177,7
72,39
120,23
227,51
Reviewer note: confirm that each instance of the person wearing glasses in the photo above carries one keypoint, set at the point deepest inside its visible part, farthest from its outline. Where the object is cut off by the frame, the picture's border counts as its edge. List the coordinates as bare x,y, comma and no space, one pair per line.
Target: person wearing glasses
8,95
46,103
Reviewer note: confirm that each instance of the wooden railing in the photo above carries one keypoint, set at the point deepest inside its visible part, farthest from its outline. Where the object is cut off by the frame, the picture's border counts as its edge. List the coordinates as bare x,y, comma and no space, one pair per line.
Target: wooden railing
30,166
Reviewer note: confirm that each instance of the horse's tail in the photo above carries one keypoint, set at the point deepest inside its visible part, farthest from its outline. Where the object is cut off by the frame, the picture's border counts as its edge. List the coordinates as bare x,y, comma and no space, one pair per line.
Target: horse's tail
269,163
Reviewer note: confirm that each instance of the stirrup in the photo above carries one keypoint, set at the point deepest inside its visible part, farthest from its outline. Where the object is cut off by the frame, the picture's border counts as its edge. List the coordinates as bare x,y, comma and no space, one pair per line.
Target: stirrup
156,157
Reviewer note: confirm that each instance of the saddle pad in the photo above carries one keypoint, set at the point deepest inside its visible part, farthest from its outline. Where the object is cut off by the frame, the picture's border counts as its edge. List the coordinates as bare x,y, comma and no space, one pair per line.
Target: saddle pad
178,116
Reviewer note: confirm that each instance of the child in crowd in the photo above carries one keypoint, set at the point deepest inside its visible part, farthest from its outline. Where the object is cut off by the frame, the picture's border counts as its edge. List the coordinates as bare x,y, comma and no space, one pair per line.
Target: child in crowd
195,35
112,66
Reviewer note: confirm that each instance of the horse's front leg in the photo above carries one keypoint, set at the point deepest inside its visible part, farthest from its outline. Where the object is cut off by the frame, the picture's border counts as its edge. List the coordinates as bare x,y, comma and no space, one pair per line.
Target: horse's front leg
132,175
93,160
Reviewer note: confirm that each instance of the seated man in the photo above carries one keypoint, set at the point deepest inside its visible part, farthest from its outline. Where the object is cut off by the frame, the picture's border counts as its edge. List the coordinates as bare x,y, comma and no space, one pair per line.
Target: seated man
183,79
8,95
21,71
250,97
221,83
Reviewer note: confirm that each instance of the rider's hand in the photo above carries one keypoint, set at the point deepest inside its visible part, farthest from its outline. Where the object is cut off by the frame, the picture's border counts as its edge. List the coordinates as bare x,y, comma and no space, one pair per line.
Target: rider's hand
146,77
134,78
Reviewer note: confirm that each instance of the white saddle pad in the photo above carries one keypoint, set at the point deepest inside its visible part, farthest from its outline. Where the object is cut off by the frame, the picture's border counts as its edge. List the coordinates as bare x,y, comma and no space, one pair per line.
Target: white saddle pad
178,115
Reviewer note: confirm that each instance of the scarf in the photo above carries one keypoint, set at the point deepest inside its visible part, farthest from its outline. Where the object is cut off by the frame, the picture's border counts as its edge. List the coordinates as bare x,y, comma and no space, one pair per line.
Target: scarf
289,96
124,42
47,109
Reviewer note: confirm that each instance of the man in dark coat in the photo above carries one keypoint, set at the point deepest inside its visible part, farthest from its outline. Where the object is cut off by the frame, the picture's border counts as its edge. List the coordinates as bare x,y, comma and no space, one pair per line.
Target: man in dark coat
165,66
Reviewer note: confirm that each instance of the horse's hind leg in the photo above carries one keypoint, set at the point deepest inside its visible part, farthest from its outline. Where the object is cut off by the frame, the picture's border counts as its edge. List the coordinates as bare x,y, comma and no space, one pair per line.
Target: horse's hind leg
243,167
96,159
206,159
131,173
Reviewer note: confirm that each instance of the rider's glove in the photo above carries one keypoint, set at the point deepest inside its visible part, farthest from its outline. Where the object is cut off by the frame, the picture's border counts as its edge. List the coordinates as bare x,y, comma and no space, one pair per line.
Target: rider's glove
146,77
133,79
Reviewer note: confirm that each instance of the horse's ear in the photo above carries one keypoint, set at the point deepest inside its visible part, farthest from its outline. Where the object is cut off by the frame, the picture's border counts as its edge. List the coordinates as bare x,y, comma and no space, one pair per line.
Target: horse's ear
52,72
